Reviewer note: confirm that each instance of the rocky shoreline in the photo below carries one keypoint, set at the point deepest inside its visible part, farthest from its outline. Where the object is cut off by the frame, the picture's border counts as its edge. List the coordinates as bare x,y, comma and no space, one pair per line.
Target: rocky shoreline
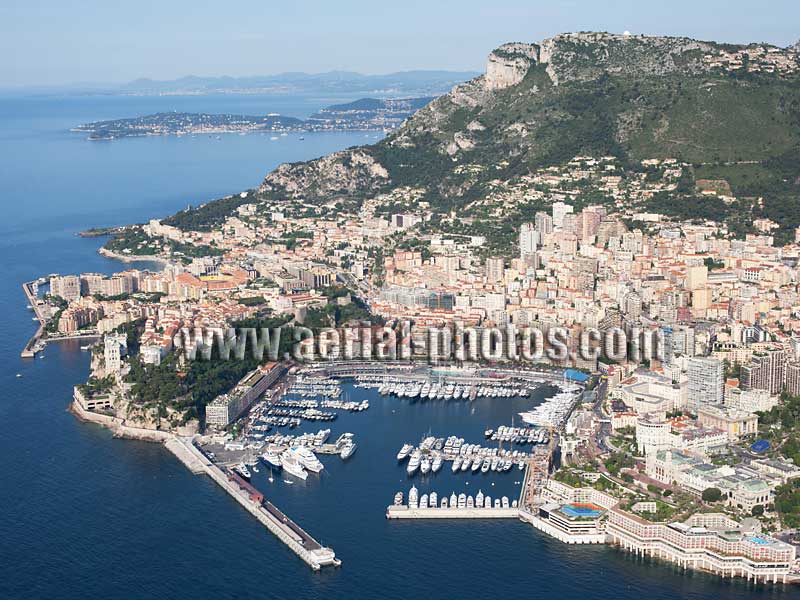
132,258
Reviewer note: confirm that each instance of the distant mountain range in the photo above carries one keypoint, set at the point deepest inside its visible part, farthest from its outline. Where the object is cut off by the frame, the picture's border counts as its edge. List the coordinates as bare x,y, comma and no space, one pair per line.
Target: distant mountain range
403,83
406,82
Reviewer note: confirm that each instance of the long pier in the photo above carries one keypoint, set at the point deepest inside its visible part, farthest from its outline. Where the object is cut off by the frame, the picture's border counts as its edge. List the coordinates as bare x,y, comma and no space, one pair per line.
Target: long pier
290,533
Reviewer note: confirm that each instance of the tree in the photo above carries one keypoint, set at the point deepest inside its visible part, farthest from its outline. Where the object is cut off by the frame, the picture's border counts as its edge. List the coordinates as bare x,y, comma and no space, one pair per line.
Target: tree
757,510
712,494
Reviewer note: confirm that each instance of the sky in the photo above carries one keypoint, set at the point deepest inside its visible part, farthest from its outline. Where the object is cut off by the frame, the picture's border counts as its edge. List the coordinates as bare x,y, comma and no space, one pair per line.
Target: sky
97,41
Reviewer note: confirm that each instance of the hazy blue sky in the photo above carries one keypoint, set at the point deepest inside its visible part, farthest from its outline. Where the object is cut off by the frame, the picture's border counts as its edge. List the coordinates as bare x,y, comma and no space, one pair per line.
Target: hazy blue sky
55,42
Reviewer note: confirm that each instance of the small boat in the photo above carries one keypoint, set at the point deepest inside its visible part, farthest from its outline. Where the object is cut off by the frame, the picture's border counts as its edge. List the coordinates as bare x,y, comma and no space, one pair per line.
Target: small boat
289,481
456,464
476,465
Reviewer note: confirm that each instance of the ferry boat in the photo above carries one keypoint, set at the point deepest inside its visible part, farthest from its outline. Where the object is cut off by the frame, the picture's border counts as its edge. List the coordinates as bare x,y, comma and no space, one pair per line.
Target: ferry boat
308,459
292,465
405,451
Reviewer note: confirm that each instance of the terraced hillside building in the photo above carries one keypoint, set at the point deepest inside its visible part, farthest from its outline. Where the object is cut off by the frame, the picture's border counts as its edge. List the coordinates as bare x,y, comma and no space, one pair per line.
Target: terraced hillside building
706,542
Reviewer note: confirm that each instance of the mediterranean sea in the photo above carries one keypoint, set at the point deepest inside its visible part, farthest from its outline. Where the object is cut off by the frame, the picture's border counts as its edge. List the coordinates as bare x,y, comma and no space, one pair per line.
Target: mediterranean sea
84,515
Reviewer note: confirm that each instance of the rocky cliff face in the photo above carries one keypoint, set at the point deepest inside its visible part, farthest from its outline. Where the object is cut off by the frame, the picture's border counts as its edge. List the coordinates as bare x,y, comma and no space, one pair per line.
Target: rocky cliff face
346,172
509,64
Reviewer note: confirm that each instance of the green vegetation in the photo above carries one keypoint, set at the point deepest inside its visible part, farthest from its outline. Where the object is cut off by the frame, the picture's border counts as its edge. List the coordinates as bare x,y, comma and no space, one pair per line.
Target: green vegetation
252,300
712,494
619,461
787,503
95,386
207,216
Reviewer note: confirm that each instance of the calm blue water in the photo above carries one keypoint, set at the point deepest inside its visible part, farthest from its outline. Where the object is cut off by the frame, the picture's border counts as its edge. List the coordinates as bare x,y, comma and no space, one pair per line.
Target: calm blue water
83,515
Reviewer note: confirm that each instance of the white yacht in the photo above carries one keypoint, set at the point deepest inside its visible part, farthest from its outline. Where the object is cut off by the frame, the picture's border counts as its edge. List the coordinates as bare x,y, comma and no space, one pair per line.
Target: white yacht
412,497
413,463
242,470
456,464
433,500
272,458
476,465
465,463
437,463
405,451
308,459
348,449
292,465
462,500
485,466
425,465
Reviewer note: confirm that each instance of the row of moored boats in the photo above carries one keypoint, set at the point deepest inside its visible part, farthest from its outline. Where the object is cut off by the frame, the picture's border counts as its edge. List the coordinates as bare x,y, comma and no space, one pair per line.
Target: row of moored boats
454,501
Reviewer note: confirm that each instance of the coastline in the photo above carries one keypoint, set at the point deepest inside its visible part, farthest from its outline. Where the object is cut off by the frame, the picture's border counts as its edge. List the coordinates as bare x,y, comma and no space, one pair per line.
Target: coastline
117,426
132,258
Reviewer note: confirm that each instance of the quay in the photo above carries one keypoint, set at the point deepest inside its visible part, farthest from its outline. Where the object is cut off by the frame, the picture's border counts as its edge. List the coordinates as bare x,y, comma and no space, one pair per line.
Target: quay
290,533
33,301
404,512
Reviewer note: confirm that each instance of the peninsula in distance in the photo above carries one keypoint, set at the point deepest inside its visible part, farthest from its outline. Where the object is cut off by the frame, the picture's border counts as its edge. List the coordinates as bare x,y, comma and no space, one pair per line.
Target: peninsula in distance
364,114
